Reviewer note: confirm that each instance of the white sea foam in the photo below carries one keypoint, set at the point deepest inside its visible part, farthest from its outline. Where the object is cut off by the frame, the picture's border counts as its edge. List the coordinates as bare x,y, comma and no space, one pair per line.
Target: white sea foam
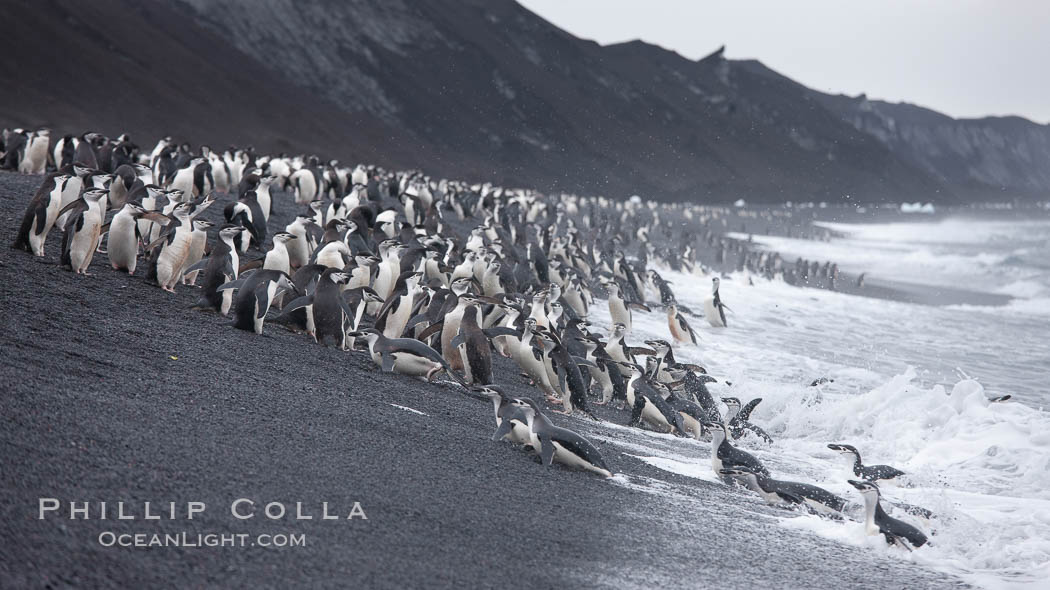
1005,257
911,389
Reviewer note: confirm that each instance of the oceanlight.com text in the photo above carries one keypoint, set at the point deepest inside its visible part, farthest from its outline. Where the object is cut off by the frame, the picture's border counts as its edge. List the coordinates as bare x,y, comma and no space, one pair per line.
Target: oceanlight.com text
204,540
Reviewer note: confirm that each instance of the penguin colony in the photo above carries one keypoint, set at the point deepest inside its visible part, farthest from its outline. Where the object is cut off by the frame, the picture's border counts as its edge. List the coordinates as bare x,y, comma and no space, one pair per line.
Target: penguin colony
430,277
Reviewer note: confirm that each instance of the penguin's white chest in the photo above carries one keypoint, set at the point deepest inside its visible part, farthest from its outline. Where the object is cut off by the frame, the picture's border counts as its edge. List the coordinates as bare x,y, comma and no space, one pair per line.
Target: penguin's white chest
691,426
120,242
651,415
619,312
519,434
712,313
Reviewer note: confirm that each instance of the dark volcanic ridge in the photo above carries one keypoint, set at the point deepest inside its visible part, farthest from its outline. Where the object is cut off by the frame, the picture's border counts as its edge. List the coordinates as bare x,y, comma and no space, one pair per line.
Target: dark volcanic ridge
488,90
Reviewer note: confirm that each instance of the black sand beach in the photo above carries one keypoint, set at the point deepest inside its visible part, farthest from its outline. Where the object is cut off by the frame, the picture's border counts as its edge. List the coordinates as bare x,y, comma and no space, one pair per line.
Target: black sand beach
116,391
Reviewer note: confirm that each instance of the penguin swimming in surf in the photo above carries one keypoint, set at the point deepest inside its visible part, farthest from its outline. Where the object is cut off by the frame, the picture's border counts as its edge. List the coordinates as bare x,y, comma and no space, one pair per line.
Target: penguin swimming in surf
788,492
868,472
738,418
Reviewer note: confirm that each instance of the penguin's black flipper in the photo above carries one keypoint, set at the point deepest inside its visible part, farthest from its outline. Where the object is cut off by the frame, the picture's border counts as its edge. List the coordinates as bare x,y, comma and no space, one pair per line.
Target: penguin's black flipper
636,411
503,430
416,320
201,264
546,450
459,339
430,330
261,299
236,284
679,424
639,306
298,302
41,219
388,363
761,433
252,264
501,331
745,412
349,313
585,362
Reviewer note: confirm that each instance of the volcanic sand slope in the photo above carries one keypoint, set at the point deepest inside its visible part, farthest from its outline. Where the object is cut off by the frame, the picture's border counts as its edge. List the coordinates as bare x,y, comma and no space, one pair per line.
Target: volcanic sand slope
116,391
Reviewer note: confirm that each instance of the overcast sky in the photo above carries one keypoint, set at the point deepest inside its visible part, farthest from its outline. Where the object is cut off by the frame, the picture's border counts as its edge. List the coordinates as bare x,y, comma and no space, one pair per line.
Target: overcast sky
966,58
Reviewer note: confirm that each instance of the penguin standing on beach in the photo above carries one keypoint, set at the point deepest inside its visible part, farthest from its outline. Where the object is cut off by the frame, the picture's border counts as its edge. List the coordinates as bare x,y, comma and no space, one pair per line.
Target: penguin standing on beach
254,296
82,230
473,346
219,268
174,242
41,214
330,310
122,239
198,246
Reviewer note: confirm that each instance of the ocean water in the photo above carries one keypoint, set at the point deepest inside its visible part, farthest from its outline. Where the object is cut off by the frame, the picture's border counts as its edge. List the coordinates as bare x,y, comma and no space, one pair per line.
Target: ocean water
911,387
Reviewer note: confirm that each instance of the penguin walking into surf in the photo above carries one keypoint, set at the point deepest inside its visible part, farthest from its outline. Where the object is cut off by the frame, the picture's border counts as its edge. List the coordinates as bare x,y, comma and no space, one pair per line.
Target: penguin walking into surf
648,404
680,330
513,416
877,522
714,309
570,378
738,418
724,455
564,446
